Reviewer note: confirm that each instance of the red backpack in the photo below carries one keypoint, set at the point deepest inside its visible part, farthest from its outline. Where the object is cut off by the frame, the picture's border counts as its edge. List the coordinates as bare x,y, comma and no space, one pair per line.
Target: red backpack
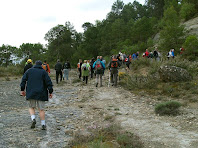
98,65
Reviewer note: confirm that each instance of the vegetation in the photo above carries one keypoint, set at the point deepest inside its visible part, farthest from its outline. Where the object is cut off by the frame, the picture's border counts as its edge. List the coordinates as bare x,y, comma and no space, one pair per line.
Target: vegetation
128,28
167,108
109,137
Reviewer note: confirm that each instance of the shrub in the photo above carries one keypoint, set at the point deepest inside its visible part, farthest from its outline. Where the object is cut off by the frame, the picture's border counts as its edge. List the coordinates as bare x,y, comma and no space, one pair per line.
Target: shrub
12,70
107,137
187,11
168,108
191,47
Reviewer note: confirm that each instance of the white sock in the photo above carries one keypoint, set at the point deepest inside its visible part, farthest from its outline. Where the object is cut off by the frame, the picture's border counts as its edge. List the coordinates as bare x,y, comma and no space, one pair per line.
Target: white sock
42,122
33,117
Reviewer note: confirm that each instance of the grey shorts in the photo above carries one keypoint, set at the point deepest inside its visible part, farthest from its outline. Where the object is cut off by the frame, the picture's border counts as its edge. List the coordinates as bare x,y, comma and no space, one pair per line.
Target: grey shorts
36,103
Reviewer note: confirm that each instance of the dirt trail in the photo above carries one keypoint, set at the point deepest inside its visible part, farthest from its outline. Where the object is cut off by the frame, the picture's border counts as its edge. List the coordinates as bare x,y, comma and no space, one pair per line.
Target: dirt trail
76,107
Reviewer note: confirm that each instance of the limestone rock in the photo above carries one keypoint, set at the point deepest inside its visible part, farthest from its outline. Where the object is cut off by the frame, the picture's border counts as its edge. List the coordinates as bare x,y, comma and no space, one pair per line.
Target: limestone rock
174,74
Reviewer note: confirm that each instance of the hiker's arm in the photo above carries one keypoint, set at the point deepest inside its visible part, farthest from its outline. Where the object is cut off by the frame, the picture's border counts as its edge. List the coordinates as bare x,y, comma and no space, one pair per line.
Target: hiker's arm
49,84
94,64
23,84
48,68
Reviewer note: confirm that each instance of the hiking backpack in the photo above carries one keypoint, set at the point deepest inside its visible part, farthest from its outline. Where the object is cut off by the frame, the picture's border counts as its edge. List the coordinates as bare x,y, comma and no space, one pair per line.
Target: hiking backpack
98,65
45,67
114,63
84,66
66,66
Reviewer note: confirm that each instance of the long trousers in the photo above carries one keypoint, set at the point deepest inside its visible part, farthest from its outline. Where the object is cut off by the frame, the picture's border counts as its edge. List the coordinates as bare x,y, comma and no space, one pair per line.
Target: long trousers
57,76
99,76
85,78
114,76
66,73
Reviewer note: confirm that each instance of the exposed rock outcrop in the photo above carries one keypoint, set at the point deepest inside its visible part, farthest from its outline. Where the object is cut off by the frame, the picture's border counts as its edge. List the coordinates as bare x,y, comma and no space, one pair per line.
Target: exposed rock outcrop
174,74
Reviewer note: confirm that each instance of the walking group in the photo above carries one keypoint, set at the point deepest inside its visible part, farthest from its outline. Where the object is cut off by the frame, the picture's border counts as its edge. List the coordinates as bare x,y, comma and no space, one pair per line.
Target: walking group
37,86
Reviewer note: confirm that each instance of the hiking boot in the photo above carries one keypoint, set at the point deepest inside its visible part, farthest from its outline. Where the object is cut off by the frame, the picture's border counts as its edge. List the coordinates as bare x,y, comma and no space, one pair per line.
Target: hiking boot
96,84
43,127
33,123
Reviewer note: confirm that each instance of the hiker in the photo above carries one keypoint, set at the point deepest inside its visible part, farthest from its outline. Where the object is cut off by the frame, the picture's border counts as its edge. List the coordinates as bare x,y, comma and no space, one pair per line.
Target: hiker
85,70
36,85
58,68
66,69
137,55
103,60
79,67
147,53
155,54
169,54
91,65
181,50
173,53
28,65
150,56
46,66
128,62
113,68
99,67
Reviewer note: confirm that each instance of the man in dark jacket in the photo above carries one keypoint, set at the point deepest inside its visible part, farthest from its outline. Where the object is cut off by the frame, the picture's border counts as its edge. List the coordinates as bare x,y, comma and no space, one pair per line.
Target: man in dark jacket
38,85
28,65
58,68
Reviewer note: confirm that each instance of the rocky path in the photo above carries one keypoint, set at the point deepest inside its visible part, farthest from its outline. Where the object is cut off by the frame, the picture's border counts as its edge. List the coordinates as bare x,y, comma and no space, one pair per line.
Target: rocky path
76,107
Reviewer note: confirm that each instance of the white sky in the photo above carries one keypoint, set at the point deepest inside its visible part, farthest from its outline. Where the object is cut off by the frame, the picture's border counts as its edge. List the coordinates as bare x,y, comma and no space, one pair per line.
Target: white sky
27,21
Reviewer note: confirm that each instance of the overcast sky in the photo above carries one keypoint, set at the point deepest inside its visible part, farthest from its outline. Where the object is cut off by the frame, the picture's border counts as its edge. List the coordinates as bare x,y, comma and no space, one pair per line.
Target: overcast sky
27,21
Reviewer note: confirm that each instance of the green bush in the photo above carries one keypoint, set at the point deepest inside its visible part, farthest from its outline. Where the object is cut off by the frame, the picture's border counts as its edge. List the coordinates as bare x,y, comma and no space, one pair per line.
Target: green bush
191,47
187,11
103,138
168,108
12,70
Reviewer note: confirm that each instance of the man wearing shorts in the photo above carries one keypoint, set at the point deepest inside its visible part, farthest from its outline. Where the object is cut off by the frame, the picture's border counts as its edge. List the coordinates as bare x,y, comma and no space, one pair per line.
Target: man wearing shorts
38,85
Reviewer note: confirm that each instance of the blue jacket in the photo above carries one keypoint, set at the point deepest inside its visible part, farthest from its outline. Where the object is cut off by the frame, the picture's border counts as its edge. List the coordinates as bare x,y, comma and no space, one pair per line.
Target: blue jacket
37,83
103,65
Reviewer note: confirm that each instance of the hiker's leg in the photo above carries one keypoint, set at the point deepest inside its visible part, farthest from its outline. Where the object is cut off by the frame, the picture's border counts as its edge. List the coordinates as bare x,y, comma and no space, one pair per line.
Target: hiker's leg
101,79
80,74
86,79
64,73
41,106
32,111
111,76
61,75
83,78
57,73
67,74
116,76
97,79
91,73
42,114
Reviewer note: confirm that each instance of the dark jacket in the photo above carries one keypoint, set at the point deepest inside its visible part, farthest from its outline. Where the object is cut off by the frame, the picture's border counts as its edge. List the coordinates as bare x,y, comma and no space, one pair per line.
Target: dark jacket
58,67
28,66
37,83
67,65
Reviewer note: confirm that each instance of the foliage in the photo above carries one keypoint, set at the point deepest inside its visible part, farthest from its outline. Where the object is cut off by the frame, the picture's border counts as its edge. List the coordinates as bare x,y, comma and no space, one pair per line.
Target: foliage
6,51
191,47
172,34
187,11
32,51
11,70
167,108
102,138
